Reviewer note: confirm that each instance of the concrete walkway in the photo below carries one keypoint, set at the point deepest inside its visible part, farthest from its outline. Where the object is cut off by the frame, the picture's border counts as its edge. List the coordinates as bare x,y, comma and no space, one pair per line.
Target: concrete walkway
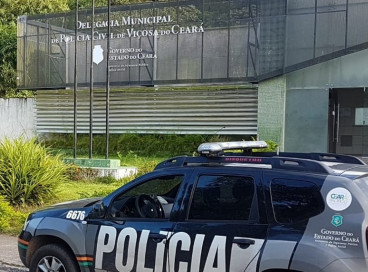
9,251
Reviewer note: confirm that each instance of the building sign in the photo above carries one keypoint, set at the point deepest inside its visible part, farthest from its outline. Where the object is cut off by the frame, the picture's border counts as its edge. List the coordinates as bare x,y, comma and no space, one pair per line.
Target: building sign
125,29
127,32
192,41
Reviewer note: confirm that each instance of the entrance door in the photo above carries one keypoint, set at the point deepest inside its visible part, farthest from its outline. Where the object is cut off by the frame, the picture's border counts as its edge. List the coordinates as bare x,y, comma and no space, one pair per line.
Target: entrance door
348,121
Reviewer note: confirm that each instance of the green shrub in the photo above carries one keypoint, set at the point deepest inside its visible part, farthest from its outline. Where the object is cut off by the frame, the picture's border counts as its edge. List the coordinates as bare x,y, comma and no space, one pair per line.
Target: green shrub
158,145
271,147
6,212
28,174
105,180
9,218
77,173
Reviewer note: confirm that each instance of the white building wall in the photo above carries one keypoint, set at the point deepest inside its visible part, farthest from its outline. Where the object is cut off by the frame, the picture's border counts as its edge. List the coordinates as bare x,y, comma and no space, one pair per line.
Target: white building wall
17,118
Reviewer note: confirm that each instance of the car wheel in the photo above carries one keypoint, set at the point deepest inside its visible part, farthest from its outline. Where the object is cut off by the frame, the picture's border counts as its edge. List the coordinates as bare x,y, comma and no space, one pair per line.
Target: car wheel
53,258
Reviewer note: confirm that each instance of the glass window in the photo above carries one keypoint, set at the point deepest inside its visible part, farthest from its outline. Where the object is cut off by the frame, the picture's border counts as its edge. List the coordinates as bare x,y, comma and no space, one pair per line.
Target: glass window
295,200
222,198
151,199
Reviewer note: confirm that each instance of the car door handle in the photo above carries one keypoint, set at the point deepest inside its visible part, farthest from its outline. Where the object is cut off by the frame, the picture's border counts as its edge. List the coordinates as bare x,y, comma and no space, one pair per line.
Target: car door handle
243,242
157,237
118,222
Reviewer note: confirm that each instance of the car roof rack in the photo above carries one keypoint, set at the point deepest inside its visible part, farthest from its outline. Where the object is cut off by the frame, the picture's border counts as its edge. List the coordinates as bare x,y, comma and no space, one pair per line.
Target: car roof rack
214,154
322,157
275,162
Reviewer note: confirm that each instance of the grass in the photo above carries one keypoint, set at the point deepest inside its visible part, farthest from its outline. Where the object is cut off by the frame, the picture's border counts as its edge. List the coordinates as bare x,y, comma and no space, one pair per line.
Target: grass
103,186
67,190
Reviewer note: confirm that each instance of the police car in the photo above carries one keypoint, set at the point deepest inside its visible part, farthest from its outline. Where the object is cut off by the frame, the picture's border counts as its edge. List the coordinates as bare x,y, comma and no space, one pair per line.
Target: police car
223,210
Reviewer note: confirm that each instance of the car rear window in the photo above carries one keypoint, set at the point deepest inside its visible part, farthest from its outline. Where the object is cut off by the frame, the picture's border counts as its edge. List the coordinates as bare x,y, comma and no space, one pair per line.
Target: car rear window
295,200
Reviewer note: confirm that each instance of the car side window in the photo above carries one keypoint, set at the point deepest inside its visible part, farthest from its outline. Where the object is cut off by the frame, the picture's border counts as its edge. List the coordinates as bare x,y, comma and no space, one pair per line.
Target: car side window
222,198
151,199
295,200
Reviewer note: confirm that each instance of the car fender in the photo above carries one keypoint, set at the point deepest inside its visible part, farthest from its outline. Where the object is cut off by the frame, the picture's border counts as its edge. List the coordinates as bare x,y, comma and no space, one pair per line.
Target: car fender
71,232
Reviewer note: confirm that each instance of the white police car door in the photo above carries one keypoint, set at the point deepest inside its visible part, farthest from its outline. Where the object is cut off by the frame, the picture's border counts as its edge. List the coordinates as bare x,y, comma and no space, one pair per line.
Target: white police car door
133,235
221,229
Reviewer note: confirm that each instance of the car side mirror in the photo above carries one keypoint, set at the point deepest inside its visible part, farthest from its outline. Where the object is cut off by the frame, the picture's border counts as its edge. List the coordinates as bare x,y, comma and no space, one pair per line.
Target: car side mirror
98,210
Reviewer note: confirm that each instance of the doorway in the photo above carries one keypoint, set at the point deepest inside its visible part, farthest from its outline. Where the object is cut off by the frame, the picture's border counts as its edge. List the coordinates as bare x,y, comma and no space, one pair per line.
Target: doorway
348,121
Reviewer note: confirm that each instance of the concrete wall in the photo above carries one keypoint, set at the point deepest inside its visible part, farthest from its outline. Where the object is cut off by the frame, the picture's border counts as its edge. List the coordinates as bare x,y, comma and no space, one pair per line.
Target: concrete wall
271,110
306,120
17,118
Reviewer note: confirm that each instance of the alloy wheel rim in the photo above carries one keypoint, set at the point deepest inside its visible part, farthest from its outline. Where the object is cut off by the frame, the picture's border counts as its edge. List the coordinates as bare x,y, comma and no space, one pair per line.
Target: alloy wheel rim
50,264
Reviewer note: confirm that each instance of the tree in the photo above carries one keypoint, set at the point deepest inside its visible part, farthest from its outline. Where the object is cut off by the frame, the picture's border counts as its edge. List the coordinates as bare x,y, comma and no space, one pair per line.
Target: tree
11,9
9,12
102,3
8,58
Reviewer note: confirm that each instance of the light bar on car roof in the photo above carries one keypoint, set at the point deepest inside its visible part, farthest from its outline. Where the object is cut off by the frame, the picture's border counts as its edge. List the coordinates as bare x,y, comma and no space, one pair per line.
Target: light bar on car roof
217,147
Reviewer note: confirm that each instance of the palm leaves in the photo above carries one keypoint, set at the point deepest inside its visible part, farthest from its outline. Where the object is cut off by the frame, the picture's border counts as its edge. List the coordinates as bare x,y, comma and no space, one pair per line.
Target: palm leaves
28,174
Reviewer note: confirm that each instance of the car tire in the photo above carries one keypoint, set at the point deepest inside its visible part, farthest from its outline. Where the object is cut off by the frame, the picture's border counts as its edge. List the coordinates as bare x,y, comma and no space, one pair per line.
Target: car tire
54,258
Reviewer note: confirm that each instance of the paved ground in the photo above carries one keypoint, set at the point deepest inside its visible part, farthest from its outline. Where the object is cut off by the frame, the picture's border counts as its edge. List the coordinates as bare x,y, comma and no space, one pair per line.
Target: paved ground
9,259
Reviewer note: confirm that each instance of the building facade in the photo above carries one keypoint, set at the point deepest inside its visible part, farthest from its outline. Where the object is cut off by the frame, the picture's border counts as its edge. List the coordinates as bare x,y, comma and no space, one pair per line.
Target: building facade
291,71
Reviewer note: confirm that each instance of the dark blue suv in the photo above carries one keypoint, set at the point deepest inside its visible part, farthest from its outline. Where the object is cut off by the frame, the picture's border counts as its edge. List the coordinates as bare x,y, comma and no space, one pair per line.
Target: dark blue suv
220,211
